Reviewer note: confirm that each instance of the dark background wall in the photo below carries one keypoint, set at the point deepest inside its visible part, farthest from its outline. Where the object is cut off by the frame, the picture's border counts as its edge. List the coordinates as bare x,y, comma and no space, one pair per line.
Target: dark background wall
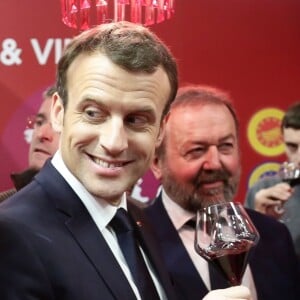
250,48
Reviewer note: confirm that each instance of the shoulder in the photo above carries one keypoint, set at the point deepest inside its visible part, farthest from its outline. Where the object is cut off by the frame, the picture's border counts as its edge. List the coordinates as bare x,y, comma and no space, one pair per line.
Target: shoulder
26,206
148,208
136,209
267,225
136,203
6,194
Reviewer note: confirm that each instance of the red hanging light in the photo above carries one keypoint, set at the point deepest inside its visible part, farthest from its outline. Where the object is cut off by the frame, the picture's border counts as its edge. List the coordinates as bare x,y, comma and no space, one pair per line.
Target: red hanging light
83,14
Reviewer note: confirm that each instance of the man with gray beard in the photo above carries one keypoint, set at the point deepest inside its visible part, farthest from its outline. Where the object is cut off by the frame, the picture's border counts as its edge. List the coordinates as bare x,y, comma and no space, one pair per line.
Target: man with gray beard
198,164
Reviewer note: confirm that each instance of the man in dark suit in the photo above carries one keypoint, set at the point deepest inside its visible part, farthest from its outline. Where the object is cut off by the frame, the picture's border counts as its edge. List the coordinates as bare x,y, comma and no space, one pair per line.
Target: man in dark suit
71,234
62,235
43,144
198,164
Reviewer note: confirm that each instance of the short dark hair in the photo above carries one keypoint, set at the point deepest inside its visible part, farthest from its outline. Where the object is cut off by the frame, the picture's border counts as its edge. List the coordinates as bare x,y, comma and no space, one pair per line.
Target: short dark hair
131,46
48,93
207,95
291,117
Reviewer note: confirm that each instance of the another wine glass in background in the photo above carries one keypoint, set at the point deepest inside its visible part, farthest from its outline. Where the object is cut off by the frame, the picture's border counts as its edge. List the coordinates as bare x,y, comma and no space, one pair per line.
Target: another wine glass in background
224,236
290,173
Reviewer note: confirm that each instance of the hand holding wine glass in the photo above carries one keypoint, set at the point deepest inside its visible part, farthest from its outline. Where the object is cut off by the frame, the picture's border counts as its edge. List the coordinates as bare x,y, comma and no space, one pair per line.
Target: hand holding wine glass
224,236
290,173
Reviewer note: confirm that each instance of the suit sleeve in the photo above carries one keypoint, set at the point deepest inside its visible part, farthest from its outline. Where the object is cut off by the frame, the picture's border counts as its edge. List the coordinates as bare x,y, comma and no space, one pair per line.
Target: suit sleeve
259,185
22,275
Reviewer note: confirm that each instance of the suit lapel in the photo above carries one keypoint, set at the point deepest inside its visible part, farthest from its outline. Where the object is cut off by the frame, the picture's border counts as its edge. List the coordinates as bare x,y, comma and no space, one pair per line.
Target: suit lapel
150,247
85,232
182,269
259,261
98,252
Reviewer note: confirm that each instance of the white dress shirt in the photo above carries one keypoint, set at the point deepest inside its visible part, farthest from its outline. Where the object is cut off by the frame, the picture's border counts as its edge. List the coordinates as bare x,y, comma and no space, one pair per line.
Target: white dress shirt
102,213
179,217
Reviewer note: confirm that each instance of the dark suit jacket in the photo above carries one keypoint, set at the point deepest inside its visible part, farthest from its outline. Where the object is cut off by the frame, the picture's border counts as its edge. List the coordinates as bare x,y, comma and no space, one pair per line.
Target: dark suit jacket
273,262
19,180
50,248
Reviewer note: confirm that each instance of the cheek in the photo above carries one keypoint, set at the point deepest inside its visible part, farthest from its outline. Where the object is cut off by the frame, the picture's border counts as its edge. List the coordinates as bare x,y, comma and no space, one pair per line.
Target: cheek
232,164
290,154
293,157
143,142
183,170
80,131
56,140
34,139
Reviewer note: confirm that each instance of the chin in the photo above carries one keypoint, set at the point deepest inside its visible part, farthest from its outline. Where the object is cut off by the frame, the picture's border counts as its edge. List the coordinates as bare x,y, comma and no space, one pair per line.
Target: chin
106,192
36,166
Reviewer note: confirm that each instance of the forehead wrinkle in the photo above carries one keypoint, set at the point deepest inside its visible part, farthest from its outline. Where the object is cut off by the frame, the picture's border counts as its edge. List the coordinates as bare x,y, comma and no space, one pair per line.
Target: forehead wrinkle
105,75
189,135
144,88
227,137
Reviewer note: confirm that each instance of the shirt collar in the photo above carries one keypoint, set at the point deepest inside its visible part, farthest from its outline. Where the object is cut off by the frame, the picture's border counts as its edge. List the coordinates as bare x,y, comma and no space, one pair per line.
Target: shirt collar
100,210
178,215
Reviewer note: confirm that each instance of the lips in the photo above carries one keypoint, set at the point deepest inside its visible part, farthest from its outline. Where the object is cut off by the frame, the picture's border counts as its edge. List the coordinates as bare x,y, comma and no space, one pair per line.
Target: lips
212,183
43,151
212,186
108,164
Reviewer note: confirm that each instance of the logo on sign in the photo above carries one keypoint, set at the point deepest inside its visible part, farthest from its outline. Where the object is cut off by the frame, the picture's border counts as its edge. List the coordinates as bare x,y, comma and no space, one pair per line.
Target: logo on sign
264,133
264,170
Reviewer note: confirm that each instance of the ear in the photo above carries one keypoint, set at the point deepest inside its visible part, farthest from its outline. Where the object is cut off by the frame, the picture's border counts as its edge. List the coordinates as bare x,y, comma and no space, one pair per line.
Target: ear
156,168
156,163
161,133
57,113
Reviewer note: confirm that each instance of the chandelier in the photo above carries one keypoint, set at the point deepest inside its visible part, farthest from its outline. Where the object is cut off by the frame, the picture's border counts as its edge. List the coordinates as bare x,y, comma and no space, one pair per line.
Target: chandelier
83,14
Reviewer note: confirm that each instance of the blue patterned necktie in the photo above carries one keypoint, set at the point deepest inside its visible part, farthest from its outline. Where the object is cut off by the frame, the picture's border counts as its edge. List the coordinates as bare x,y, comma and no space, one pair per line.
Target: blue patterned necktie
127,240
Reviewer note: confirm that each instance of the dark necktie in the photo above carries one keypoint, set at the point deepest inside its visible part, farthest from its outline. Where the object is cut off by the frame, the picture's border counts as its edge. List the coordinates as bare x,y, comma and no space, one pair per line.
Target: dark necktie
124,230
217,281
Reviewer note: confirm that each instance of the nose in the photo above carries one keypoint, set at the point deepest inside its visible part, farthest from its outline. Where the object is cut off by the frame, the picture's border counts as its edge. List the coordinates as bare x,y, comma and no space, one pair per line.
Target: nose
212,159
113,137
45,132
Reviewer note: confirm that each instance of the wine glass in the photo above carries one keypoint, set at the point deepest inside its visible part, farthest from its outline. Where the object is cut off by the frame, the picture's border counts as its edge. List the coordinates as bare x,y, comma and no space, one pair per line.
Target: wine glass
288,172
224,236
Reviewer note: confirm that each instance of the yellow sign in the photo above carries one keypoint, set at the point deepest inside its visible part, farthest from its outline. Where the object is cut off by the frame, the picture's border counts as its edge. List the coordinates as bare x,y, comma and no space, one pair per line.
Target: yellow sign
263,170
264,133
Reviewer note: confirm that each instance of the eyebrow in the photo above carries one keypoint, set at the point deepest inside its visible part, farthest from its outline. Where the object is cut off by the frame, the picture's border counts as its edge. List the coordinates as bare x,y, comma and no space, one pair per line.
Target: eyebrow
229,136
40,115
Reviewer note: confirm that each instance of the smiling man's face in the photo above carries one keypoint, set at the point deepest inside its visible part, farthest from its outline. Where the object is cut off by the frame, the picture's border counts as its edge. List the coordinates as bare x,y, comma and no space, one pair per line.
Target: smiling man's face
110,124
201,164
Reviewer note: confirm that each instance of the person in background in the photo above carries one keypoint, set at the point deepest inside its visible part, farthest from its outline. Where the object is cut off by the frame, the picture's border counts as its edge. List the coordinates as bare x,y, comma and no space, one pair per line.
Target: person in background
198,164
270,192
43,144
66,234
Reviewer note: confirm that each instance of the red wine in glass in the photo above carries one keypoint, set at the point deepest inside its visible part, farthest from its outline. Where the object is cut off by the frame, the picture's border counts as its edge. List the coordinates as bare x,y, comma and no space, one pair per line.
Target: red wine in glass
224,236
292,181
290,173
231,261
